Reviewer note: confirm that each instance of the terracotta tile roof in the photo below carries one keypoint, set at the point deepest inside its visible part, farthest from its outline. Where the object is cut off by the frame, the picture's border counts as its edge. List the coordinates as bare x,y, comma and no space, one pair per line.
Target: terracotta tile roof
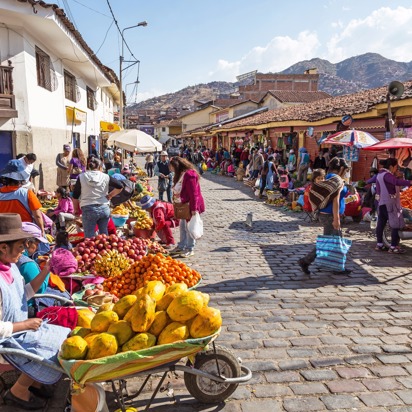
289,96
110,74
356,103
172,122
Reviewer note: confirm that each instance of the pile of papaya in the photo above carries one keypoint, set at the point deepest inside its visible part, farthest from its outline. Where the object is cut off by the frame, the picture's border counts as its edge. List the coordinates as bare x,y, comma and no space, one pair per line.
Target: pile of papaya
154,315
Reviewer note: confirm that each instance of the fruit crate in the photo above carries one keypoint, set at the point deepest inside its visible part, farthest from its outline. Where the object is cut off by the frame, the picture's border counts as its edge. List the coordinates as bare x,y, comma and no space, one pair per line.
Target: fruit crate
144,233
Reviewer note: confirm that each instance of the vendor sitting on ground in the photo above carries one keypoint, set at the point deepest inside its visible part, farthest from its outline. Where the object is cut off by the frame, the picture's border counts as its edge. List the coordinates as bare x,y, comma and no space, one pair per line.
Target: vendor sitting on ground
163,216
230,168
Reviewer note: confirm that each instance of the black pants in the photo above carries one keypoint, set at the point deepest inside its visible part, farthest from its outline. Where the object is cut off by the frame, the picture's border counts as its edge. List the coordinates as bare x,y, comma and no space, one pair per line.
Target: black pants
262,184
150,169
326,220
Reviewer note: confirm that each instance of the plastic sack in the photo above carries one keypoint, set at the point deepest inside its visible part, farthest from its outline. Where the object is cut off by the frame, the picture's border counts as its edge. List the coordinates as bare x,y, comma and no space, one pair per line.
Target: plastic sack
204,167
331,252
195,226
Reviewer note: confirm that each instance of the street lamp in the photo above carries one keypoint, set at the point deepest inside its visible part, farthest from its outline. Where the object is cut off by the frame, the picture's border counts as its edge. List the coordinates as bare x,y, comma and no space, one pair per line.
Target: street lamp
133,62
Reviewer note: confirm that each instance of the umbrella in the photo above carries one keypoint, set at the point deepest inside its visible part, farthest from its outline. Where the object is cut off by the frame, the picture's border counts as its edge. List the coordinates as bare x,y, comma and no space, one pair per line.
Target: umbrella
357,138
394,143
134,139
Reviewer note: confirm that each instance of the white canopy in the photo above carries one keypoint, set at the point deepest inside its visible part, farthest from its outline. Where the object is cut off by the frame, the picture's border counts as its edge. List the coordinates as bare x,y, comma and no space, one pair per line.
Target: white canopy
134,139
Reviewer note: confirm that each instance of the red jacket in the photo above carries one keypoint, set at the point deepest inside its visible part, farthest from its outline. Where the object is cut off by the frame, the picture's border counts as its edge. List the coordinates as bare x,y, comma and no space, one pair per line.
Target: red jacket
161,213
191,192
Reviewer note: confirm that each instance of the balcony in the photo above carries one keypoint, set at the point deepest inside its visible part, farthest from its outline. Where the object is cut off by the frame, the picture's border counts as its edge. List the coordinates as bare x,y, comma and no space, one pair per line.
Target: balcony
7,101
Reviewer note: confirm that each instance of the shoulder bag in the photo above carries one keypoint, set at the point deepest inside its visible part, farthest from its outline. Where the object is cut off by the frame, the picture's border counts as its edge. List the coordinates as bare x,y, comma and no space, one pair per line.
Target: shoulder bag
182,211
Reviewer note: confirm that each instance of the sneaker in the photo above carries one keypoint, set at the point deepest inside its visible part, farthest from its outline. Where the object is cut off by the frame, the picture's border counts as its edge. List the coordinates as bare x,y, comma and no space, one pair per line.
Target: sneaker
381,248
304,267
187,254
176,251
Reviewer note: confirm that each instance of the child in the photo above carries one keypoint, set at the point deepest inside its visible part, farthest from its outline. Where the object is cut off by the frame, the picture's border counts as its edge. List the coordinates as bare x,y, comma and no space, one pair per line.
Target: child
230,169
64,209
283,181
318,175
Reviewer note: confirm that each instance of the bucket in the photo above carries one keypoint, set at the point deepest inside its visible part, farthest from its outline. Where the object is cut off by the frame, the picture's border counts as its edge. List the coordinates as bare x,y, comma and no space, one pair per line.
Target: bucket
92,399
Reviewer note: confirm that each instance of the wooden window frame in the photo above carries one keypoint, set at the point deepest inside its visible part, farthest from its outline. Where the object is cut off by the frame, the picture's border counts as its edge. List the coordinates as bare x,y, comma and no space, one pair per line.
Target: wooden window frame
43,67
91,98
69,86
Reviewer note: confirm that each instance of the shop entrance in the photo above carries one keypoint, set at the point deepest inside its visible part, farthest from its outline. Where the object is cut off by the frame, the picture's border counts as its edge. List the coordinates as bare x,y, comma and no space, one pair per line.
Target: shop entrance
6,148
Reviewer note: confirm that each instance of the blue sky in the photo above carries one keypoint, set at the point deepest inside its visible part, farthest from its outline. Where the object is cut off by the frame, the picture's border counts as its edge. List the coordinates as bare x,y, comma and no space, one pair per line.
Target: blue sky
188,42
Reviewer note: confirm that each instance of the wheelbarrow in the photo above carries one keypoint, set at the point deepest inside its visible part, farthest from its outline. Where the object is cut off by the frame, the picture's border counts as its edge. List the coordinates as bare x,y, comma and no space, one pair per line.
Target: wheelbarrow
211,373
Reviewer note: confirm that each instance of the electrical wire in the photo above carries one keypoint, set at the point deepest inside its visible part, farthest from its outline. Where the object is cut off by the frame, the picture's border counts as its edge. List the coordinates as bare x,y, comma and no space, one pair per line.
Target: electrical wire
105,37
87,7
120,31
69,13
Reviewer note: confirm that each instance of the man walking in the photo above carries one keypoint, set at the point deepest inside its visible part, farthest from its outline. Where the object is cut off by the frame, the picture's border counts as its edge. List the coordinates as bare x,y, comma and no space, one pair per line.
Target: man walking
165,176
108,157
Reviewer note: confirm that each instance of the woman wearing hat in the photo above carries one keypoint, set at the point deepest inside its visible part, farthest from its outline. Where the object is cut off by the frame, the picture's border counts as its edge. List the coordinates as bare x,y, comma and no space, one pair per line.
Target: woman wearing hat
17,331
62,163
16,199
163,216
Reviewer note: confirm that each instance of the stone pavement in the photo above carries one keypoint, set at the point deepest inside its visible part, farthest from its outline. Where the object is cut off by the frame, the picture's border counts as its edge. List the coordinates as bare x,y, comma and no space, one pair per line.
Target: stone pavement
322,342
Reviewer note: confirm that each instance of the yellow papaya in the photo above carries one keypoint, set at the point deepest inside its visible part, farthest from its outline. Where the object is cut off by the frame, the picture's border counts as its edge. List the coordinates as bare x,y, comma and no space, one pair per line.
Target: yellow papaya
140,341
155,289
84,317
74,347
173,332
141,314
205,323
160,321
104,344
122,330
186,306
101,322
124,304
80,331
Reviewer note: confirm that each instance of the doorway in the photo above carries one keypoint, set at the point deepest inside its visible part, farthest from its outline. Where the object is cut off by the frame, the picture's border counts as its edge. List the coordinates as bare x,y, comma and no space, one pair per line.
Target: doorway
6,148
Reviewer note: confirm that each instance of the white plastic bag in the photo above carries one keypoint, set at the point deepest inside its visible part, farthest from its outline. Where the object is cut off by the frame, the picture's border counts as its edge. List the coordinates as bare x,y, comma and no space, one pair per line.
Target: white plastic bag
195,226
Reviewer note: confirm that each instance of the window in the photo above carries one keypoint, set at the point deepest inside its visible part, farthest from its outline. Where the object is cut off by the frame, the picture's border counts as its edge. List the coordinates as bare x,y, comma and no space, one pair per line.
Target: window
43,69
91,98
70,86
163,129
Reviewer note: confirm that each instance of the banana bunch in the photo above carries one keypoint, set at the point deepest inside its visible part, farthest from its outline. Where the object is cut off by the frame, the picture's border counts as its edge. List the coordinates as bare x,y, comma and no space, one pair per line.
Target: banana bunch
138,213
120,210
111,264
144,222
140,172
50,238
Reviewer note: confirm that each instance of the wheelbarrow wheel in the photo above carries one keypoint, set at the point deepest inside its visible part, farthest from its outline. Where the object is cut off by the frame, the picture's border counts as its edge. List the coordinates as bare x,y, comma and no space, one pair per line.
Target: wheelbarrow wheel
207,390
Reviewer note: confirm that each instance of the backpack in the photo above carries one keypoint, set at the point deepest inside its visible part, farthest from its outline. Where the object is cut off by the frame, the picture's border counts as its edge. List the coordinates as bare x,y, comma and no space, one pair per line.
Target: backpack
125,195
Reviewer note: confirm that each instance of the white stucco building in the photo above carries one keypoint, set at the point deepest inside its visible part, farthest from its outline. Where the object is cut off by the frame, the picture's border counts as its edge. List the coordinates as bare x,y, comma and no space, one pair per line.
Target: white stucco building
53,89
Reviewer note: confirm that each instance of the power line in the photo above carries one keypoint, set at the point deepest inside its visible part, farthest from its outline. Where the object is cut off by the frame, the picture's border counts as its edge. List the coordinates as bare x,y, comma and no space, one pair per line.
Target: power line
118,28
105,37
87,7
69,13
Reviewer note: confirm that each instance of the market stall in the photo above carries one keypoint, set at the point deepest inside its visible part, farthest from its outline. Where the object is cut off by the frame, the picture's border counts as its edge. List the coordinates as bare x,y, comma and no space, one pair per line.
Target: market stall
134,140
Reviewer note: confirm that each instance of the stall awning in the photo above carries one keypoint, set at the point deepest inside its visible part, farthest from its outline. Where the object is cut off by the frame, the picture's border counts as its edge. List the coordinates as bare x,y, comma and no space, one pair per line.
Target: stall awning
164,139
109,127
74,115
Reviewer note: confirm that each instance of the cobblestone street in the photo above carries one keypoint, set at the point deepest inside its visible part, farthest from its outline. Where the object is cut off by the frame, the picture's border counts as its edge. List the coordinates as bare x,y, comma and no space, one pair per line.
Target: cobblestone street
317,343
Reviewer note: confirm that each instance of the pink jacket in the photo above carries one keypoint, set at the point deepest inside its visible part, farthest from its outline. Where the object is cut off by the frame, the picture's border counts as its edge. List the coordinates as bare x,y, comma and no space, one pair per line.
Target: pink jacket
64,206
191,192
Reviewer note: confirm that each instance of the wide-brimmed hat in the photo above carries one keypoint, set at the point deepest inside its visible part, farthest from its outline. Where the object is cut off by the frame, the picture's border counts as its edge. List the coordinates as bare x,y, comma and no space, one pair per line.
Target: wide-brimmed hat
10,228
163,153
15,170
34,231
147,202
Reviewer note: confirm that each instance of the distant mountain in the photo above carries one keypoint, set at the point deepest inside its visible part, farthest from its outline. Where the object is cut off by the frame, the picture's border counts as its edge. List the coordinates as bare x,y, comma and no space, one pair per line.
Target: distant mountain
366,71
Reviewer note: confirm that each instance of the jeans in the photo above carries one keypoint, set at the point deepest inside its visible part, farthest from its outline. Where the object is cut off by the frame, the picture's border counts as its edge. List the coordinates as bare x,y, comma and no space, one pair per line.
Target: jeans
326,220
168,192
93,215
262,184
382,221
186,241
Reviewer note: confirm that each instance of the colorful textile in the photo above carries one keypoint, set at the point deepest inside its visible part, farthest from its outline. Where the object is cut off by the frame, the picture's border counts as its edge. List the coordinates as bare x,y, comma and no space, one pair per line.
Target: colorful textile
131,362
331,252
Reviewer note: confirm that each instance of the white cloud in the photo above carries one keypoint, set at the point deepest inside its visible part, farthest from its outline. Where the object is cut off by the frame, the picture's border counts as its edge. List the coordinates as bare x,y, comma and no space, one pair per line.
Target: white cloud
385,31
278,54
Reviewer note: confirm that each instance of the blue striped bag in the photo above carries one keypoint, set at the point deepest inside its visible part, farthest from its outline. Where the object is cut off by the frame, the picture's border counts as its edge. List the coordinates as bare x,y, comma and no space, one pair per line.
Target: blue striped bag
331,252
